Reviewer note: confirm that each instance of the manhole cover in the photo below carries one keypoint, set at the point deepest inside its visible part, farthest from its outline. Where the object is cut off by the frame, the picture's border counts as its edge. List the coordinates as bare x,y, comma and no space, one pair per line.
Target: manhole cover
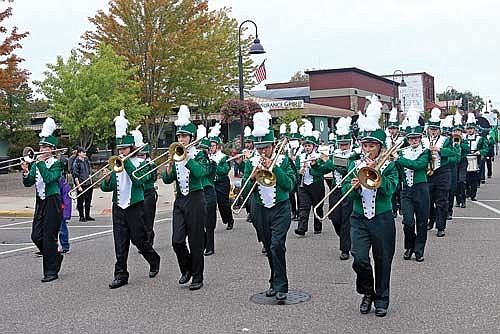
294,297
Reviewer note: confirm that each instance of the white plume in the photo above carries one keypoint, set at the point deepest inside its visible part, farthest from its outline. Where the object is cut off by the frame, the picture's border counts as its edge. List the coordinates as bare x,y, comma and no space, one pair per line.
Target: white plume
331,136
215,130
447,122
201,131
457,118
183,116
121,124
404,124
48,128
373,113
307,128
343,125
293,127
138,138
361,121
247,131
393,115
261,123
412,115
283,128
316,134
435,115
471,118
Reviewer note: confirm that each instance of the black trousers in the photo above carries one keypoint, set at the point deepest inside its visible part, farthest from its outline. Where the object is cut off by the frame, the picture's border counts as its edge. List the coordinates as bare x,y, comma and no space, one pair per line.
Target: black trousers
482,168
128,226
379,234
488,160
472,183
396,197
415,205
309,196
273,224
150,199
222,188
45,231
294,203
341,219
211,218
461,179
189,216
439,186
453,187
84,202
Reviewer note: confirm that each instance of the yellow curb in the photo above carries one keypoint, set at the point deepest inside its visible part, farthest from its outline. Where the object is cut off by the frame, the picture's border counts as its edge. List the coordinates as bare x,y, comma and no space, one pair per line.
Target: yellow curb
106,212
16,213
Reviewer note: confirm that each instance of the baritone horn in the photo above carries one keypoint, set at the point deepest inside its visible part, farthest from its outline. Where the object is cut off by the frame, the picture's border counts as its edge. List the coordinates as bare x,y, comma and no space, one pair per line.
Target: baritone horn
28,156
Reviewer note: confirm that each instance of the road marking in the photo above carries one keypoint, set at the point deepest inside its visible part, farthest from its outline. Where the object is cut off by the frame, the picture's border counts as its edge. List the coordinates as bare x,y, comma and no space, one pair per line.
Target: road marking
487,207
18,244
477,218
18,223
490,200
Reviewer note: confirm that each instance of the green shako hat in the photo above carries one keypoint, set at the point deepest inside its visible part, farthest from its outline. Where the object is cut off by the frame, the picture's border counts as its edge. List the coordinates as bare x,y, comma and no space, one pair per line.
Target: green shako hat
46,137
247,134
471,121
122,138
139,140
201,132
283,132
183,122
214,133
413,127
447,124
393,119
343,132
457,121
262,130
435,120
369,125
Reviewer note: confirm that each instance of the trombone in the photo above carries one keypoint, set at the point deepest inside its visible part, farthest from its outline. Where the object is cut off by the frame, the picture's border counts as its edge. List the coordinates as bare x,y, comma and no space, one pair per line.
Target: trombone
117,165
264,177
176,152
29,155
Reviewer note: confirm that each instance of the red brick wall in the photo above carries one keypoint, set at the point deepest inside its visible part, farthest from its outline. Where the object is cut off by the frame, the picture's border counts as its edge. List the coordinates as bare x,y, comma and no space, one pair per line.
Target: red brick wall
350,80
339,102
280,85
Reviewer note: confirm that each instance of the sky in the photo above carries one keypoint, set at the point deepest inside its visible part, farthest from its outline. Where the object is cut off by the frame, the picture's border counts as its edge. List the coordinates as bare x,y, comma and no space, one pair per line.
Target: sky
456,41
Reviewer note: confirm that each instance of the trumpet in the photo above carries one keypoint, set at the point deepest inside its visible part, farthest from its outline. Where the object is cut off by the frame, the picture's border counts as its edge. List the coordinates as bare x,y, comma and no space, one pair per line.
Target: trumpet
176,152
117,165
457,139
264,177
29,155
237,156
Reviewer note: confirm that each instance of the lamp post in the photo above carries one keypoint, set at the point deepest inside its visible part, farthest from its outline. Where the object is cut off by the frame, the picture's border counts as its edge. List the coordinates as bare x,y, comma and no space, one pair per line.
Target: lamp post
447,97
256,48
401,84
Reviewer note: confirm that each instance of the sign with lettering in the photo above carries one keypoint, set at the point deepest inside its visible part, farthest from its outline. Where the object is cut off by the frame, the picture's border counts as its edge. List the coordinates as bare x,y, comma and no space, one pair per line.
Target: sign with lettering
280,105
413,93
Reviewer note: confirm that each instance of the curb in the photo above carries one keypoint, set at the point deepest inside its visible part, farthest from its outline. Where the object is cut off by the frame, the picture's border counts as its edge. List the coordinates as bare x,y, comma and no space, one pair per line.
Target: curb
16,213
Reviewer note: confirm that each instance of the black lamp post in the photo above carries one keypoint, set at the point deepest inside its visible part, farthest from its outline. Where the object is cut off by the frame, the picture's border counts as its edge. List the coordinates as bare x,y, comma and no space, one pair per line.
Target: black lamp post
401,84
447,96
256,48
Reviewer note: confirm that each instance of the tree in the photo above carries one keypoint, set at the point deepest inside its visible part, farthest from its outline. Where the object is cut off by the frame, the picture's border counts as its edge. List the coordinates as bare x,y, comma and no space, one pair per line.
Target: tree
299,76
470,102
183,53
290,116
85,94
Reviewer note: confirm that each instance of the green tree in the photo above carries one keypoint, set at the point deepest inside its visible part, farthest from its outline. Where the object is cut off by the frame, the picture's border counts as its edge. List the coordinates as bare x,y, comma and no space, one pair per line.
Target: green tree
470,102
85,94
183,53
290,116
299,76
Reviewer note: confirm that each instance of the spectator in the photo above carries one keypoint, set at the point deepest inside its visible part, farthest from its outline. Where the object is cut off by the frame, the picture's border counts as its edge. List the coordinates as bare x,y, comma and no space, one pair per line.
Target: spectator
81,173
64,190
71,161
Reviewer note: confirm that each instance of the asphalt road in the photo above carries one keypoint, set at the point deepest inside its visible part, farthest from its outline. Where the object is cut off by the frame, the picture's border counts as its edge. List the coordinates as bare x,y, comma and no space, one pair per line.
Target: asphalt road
453,291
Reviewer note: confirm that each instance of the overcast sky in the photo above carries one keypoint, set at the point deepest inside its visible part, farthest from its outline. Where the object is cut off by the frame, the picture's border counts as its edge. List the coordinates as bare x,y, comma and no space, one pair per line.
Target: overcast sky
456,41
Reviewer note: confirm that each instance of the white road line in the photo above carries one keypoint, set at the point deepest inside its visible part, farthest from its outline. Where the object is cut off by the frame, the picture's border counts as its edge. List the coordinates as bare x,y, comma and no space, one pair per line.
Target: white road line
18,223
18,244
488,207
490,200
477,218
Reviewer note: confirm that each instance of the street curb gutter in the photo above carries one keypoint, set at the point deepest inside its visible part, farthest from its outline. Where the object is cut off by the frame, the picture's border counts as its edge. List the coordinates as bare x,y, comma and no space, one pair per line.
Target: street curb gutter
16,213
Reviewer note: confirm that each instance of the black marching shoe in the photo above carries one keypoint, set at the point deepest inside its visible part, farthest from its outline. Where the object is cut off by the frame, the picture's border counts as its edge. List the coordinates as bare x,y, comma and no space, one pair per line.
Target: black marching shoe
458,205
408,253
462,205
300,232
317,232
440,233
366,304
270,292
430,226
83,220
281,295
185,278
153,272
230,226
419,258
380,312
208,252
116,283
264,250
49,278
195,286
89,219
344,256
449,217
473,199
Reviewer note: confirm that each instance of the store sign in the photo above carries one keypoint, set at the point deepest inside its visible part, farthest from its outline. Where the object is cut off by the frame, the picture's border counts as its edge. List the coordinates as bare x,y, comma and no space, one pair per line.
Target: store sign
413,93
285,104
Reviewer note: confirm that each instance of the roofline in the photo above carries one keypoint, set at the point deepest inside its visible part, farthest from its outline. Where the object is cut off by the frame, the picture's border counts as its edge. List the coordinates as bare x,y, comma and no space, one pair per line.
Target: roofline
353,69
406,74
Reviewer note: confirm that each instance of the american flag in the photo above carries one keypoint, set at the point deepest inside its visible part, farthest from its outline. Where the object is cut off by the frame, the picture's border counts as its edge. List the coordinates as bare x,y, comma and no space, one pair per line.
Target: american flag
260,73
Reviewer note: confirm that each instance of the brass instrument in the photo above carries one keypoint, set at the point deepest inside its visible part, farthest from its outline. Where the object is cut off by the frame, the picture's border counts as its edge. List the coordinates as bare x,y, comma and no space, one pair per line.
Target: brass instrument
177,152
432,160
264,177
116,164
237,156
457,139
29,155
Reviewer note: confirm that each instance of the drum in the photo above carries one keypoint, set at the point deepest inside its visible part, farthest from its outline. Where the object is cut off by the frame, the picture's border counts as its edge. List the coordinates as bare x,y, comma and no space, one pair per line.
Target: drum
472,165
341,162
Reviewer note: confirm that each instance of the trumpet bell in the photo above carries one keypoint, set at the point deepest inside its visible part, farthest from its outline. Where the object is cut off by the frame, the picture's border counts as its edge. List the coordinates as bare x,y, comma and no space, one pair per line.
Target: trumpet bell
369,177
116,164
457,139
266,178
177,152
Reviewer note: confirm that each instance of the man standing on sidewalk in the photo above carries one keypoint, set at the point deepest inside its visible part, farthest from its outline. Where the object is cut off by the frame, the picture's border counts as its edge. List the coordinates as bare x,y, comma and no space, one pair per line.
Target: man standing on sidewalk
81,173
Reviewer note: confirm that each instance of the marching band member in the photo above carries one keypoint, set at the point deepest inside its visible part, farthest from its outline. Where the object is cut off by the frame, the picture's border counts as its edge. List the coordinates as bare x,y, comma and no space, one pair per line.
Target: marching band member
271,204
446,130
340,217
128,209
478,147
208,180
311,186
294,146
394,138
189,211
458,130
44,174
249,151
441,150
413,161
222,183
372,223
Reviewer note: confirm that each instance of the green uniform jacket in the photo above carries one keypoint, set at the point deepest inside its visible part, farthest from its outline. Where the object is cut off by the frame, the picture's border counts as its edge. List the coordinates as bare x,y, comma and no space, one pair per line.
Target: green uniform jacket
419,166
50,176
137,191
384,194
150,179
315,173
464,149
223,168
197,171
285,181
448,153
210,168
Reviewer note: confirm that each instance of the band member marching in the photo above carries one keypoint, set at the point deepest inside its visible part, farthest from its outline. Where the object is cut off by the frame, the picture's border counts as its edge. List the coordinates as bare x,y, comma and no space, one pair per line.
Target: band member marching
372,223
394,138
311,185
413,161
189,212
458,130
44,174
293,149
446,130
128,208
478,148
271,203
248,152
441,150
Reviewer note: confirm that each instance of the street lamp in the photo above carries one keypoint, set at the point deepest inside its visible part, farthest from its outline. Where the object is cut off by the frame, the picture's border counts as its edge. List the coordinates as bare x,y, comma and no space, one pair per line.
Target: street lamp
401,84
256,48
447,98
